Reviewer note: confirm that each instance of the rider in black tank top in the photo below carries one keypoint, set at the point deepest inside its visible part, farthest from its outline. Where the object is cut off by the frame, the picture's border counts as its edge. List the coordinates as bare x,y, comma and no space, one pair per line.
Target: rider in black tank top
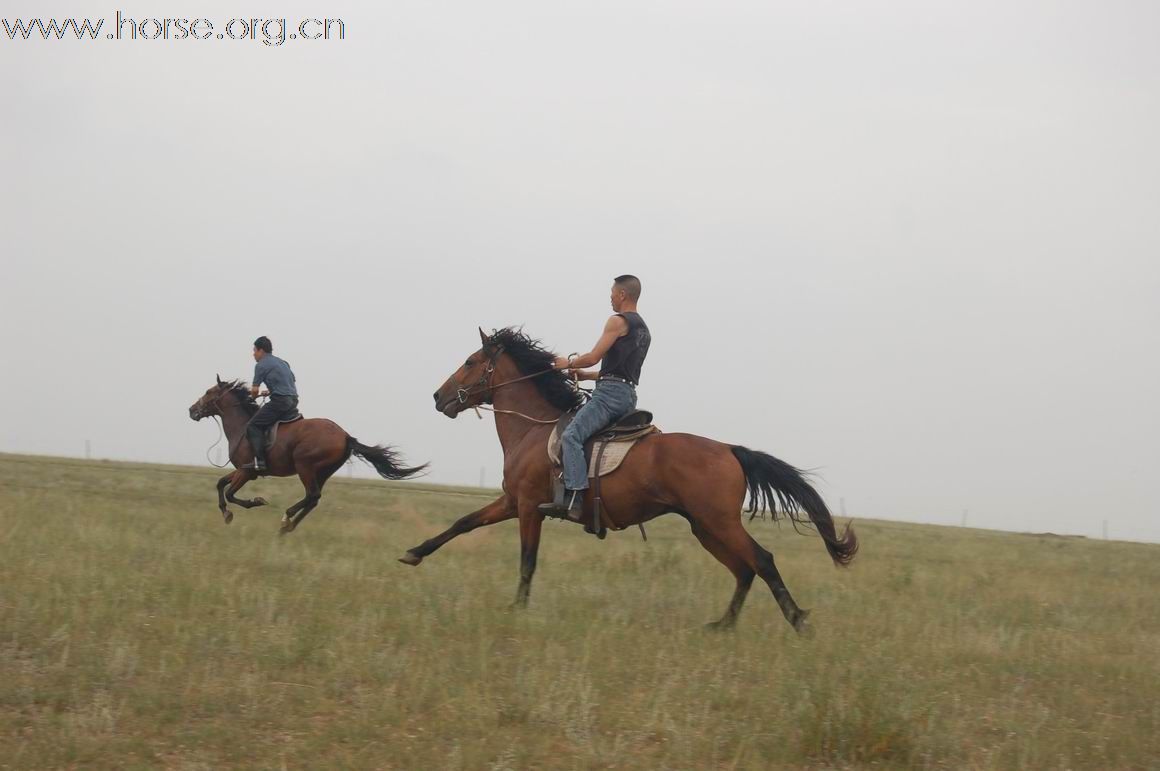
621,349
625,357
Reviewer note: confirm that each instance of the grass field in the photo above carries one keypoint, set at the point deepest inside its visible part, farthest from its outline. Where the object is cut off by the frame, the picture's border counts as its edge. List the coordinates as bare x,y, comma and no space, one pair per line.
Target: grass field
136,630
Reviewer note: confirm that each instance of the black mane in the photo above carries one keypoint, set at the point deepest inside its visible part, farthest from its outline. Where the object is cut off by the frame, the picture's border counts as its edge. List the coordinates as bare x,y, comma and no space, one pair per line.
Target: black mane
241,391
531,357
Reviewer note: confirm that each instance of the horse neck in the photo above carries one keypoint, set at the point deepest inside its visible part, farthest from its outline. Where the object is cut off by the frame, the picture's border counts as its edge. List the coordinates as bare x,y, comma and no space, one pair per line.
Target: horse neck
522,397
234,419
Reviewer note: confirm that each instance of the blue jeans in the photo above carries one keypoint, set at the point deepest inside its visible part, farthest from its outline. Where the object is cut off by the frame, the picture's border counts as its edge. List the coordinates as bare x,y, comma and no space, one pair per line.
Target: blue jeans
610,401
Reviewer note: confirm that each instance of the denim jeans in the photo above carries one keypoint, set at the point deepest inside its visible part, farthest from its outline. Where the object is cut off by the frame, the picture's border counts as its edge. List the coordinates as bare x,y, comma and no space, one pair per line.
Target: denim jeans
610,401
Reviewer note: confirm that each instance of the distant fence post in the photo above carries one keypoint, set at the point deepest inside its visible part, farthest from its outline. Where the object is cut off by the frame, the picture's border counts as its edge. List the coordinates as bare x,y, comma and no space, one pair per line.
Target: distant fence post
88,450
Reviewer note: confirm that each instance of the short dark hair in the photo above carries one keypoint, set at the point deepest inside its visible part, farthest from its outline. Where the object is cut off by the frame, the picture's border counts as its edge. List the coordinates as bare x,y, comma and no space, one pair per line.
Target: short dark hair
264,343
630,284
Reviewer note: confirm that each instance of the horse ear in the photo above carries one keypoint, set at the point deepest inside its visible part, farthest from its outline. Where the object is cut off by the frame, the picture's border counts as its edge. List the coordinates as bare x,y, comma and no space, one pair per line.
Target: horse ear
483,336
219,379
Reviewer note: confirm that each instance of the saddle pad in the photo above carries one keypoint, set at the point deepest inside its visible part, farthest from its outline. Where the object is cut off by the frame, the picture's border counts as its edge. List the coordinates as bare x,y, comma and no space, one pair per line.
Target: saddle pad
614,453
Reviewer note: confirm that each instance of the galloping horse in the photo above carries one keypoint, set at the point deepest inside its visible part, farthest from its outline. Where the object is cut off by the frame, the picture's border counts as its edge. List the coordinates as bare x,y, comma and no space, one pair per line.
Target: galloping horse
702,480
313,448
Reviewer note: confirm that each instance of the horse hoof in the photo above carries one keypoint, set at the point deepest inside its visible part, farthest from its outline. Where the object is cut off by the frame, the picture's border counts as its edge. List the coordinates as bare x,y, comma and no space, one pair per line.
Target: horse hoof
719,626
803,627
259,501
410,558
286,529
228,516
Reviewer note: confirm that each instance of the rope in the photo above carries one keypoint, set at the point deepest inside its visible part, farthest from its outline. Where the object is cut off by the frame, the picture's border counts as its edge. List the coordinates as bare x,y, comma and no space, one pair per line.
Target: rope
479,407
221,434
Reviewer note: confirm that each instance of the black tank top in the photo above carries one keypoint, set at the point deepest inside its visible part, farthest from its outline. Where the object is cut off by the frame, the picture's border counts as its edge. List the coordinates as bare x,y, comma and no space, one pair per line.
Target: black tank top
626,355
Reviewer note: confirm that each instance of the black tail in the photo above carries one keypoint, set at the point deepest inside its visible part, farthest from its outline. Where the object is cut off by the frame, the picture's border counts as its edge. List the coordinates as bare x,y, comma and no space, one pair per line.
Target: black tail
775,484
385,460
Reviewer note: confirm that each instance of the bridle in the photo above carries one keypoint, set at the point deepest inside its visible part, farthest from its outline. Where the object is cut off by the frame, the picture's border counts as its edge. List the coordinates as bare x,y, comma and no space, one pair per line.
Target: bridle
484,385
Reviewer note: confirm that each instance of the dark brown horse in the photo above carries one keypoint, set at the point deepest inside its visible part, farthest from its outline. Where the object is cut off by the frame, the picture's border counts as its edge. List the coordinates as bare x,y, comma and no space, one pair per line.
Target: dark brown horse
702,480
311,448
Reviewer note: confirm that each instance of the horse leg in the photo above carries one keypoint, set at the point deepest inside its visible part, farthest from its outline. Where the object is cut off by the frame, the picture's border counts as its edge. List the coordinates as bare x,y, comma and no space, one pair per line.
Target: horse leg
227,515
227,486
498,510
245,503
531,523
728,529
741,571
290,512
313,488
306,505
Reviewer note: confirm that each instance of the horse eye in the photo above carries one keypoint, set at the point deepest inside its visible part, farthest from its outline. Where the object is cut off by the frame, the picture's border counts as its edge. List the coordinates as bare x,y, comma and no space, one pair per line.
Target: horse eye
468,363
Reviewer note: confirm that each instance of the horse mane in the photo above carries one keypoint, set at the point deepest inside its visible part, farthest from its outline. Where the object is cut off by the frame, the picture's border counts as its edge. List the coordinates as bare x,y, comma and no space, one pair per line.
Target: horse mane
532,357
241,391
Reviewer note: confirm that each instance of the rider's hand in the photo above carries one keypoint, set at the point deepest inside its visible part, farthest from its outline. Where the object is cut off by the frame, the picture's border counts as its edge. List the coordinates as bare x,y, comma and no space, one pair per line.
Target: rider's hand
562,363
264,393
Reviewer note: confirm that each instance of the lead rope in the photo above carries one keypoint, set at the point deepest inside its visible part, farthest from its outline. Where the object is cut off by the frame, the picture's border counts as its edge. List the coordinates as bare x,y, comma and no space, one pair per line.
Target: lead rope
221,434
479,407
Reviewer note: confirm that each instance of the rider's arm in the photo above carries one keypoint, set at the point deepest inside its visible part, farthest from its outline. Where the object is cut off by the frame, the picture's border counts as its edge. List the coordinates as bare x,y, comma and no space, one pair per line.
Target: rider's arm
259,376
614,328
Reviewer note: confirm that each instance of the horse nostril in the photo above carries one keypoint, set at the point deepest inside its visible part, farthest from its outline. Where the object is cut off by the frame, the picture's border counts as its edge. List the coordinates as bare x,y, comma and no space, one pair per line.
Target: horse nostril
436,395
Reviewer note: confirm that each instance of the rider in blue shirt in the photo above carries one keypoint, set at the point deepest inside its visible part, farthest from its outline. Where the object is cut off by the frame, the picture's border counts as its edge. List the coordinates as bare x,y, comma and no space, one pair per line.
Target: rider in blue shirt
278,378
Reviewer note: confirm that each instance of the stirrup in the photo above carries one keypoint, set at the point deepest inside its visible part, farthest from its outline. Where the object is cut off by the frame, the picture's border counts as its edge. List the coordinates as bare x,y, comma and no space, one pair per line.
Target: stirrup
255,465
574,511
561,508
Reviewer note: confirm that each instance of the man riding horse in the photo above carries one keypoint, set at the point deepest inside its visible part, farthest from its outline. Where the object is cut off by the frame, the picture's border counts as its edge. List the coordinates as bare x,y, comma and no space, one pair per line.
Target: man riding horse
621,350
278,378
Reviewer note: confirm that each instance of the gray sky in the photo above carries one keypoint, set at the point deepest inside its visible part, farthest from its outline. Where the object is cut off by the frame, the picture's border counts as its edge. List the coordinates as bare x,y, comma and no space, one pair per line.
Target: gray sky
912,245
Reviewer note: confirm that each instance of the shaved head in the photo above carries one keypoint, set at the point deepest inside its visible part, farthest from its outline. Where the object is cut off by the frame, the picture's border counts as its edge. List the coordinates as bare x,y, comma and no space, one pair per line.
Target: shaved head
630,284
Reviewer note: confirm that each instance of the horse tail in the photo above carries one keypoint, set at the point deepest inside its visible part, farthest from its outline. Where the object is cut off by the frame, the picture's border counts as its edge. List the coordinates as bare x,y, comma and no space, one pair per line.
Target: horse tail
774,484
385,460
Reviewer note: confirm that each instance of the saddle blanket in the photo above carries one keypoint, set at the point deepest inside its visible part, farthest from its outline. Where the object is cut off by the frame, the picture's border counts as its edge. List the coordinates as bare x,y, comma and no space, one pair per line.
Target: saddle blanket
616,449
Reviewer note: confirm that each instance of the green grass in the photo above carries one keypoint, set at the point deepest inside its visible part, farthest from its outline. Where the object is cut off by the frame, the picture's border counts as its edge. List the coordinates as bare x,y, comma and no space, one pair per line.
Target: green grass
136,630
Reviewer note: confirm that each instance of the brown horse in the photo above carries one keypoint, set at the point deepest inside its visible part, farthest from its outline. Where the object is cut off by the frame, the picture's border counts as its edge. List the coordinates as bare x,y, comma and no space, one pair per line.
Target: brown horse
702,480
311,448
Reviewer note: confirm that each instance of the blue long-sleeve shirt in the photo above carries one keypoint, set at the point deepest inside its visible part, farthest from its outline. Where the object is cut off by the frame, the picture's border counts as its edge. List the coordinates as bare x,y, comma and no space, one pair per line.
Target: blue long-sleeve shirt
276,374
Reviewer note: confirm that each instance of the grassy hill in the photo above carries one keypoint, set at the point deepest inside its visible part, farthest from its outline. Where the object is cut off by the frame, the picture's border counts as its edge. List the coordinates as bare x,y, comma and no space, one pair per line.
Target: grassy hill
136,630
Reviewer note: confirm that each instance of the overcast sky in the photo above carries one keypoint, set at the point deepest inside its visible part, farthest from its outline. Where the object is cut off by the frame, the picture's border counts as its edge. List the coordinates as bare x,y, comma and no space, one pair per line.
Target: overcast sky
911,245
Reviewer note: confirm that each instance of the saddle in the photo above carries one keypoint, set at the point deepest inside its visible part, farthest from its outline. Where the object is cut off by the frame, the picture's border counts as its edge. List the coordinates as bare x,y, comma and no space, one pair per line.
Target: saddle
272,431
609,446
605,451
